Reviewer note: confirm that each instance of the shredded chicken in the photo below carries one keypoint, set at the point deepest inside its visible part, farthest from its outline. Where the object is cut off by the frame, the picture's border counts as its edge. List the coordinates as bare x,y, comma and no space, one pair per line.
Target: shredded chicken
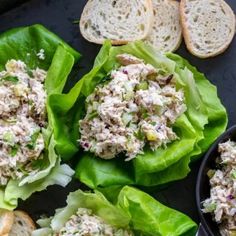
137,106
22,117
85,223
222,200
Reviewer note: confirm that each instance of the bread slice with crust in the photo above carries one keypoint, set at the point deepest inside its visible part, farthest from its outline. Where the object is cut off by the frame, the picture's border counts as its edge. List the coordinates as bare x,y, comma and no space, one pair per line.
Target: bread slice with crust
208,26
6,221
23,225
120,21
166,33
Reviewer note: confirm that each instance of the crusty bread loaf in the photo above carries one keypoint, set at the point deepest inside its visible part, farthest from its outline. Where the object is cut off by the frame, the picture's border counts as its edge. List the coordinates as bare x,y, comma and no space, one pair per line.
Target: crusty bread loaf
6,221
208,26
23,225
166,33
120,21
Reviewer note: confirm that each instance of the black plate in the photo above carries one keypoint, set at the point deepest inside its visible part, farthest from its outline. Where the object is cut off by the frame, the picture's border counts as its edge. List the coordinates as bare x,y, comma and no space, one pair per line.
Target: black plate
203,187
58,16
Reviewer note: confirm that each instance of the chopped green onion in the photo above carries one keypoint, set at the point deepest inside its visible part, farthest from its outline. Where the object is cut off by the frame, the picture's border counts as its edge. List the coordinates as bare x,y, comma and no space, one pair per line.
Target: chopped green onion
92,115
12,79
31,145
139,135
30,102
14,150
233,174
144,114
11,121
75,21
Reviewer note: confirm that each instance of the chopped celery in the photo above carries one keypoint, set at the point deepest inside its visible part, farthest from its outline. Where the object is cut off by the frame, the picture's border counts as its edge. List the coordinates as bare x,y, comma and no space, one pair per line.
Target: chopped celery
8,137
126,118
142,86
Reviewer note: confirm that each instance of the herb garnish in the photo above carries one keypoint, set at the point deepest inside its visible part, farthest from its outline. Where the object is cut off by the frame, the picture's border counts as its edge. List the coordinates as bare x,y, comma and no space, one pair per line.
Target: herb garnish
31,145
12,79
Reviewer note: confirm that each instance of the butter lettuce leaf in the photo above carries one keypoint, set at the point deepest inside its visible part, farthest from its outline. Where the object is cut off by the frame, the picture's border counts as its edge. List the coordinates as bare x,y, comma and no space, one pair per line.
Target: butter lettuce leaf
24,44
204,120
133,210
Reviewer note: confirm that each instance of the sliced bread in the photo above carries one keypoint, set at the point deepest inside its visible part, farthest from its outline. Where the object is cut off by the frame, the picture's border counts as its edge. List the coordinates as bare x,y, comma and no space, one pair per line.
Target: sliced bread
23,225
208,26
120,21
6,221
166,33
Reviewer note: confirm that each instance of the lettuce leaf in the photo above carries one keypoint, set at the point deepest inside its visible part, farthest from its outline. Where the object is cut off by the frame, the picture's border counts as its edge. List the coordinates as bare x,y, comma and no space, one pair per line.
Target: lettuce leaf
24,44
204,120
217,116
150,217
133,210
70,109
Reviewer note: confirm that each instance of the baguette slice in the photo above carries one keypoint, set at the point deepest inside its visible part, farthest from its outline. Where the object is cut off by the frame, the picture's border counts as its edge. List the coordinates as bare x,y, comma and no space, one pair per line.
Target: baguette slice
6,221
166,33
23,225
208,26
120,21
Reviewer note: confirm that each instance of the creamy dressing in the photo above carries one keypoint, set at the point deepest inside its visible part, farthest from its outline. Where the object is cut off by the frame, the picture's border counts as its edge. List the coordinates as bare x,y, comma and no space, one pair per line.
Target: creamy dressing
137,106
22,117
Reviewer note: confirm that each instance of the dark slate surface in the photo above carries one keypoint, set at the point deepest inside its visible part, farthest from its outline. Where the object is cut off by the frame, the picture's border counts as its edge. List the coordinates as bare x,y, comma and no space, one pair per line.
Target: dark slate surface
58,16
6,5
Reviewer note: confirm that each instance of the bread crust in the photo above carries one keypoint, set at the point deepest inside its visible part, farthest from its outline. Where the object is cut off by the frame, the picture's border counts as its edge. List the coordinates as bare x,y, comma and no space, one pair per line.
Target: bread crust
7,221
26,218
149,6
180,34
186,32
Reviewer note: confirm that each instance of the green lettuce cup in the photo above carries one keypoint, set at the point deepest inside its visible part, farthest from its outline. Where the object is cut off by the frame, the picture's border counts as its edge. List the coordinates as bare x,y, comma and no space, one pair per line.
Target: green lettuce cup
28,53
203,121
135,213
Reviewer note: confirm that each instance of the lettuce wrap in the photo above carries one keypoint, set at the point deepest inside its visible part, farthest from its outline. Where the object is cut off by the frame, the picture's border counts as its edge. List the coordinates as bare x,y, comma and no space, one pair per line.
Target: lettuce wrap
24,44
204,120
134,210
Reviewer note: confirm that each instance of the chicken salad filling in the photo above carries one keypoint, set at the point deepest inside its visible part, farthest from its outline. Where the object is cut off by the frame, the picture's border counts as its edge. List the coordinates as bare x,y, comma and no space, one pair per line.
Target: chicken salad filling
137,106
85,223
22,119
222,201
